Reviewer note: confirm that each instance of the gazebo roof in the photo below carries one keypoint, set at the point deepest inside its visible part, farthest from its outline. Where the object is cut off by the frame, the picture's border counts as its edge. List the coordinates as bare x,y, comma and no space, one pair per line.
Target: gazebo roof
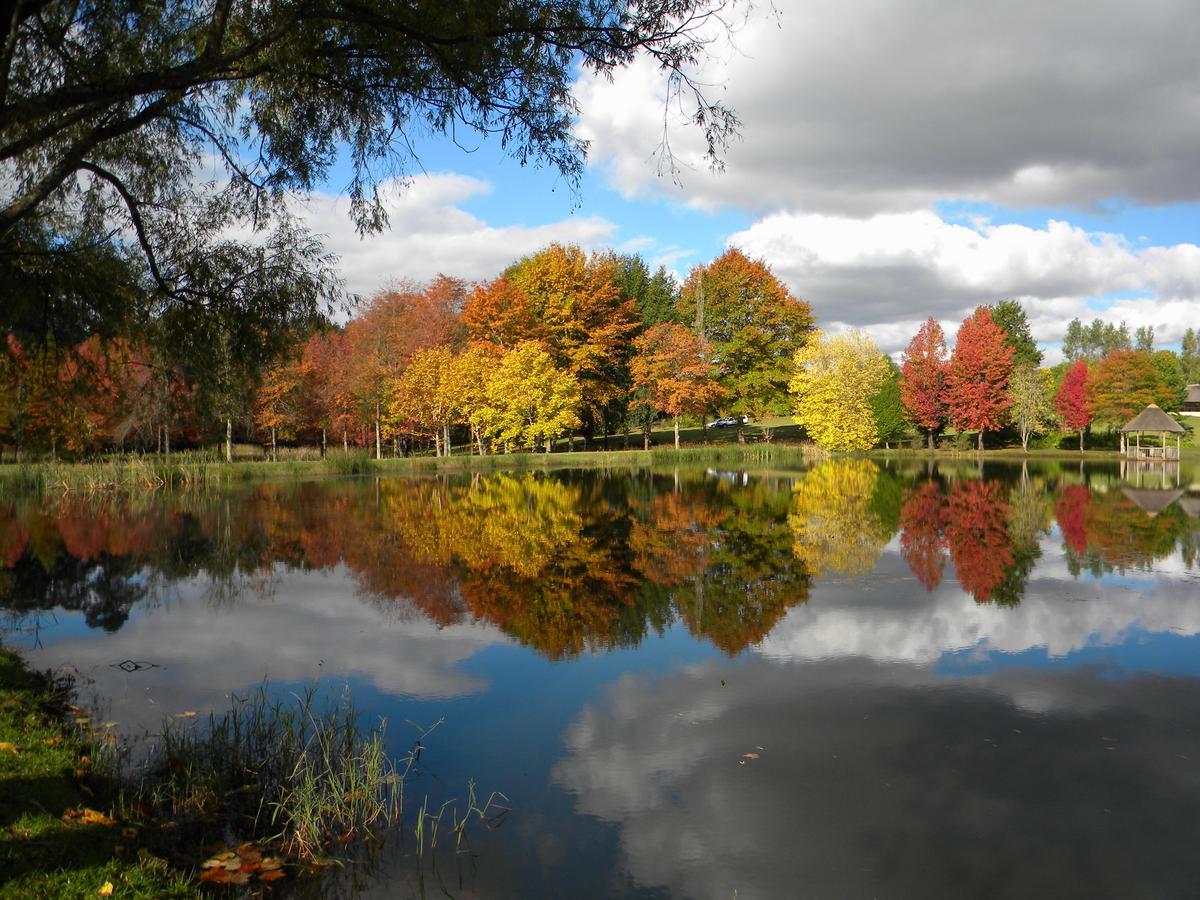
1191,506
1153,419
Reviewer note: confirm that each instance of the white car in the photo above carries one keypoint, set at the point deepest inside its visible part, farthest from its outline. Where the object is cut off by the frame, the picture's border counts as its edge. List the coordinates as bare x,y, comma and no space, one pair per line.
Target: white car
729,422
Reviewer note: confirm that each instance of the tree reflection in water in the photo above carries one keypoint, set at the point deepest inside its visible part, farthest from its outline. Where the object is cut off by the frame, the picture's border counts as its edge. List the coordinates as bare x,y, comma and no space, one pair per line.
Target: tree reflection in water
572,562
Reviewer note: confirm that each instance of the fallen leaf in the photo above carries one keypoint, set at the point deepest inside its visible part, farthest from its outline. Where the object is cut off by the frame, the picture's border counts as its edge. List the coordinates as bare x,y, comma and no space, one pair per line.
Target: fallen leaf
94,817
106,889
186,714
10,748
271,875
749,756
50,742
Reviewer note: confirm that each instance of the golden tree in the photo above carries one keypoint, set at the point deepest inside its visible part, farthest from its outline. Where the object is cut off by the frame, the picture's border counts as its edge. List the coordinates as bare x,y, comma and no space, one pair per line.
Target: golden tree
834,381
531,401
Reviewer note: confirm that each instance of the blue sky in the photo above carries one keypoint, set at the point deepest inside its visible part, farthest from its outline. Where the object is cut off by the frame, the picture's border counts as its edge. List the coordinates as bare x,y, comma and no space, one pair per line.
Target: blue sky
897,160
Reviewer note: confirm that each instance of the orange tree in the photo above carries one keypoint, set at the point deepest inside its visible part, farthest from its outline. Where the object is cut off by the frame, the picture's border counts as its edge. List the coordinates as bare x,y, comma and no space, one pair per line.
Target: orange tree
1121,385
672,366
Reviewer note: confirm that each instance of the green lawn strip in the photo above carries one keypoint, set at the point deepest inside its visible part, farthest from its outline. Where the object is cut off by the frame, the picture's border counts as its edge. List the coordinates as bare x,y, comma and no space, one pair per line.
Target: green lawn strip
41,855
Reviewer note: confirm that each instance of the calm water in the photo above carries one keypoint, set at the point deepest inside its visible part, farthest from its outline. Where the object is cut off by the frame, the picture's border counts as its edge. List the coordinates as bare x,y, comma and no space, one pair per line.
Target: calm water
959,682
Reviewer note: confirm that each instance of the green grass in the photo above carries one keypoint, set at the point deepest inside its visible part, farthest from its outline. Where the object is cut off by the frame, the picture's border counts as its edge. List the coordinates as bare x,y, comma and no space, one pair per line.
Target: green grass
40,854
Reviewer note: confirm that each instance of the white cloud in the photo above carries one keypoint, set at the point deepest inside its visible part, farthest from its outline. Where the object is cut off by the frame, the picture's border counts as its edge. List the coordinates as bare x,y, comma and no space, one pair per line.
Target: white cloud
429,233
888,271
203,654
856,108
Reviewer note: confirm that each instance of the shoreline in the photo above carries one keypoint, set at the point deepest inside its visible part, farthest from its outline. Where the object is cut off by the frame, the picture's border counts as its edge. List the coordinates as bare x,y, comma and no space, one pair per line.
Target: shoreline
137,472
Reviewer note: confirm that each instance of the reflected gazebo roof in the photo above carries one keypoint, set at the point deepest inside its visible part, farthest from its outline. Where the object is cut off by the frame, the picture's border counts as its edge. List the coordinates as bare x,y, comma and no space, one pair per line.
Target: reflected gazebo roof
1151,502
1191,506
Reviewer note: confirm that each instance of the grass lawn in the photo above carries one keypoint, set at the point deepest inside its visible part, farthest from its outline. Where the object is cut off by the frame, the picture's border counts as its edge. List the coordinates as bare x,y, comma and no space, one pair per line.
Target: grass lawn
56,836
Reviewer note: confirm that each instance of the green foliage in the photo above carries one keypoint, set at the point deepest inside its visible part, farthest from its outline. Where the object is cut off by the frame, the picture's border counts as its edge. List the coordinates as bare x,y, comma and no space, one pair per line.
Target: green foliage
887,408
1094,340
1010,315
754,325
654,296
41,855
1172,384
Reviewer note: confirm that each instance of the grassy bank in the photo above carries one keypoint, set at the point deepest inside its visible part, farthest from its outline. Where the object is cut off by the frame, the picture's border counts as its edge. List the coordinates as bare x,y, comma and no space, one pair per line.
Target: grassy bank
147,473
57,835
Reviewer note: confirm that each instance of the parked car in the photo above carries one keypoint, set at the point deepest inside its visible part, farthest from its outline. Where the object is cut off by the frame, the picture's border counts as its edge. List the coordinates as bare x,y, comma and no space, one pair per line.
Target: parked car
729,422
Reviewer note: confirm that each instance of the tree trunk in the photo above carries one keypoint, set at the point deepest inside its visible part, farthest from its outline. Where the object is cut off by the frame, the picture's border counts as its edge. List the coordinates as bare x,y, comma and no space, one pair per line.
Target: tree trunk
1024,441
20,423
228,439
446,432
274,446
378,434
323,439
549,446
167,440
979,443
741,434
437,445
929,434
677,432
345,441
1080,440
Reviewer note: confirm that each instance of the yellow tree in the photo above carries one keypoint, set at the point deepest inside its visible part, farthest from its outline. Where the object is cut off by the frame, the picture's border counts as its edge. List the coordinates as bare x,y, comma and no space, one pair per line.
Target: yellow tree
834,381
834,527
424,397
531,401
571,303
674,368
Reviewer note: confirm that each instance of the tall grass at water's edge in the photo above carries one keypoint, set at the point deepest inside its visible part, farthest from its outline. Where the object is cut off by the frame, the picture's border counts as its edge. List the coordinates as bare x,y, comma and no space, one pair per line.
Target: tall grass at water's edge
190,471
297,774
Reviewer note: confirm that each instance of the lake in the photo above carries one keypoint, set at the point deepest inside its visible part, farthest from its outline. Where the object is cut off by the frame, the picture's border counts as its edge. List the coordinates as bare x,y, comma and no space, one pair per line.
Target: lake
856,680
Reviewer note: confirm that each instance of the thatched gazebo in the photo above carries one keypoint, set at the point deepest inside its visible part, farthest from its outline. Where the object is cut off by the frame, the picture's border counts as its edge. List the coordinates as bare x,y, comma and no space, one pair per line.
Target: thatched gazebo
1151,420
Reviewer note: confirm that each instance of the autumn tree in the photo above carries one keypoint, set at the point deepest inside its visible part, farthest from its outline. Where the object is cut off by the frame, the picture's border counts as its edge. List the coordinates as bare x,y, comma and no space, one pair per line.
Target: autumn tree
470,379
571,304
922,379
531,401
1121,385
1031,409
754,325
278,407
380,342
976,386
834,381
1010,315
1071,401
976,528
424,397
922,537
674,368
834,526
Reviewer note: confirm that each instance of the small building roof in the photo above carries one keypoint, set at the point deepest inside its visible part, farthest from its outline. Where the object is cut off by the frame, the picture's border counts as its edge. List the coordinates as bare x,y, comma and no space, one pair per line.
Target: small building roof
1153,419
1191,401
1191,506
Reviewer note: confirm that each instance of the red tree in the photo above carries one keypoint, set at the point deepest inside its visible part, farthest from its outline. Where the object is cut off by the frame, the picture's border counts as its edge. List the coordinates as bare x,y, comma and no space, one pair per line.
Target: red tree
976,523
976,390
922,540
1071,511
922,377
1071,401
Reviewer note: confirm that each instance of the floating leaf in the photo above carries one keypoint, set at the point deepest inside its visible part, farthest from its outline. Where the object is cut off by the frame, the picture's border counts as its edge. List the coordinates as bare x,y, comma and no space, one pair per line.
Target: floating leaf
749,756
186,714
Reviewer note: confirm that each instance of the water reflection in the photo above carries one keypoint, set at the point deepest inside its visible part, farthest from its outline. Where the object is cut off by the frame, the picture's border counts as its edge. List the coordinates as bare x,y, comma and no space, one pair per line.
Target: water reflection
995,662
568,563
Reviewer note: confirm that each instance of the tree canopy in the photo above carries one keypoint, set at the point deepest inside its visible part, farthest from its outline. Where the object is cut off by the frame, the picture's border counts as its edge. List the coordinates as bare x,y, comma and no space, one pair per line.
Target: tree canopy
148,147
